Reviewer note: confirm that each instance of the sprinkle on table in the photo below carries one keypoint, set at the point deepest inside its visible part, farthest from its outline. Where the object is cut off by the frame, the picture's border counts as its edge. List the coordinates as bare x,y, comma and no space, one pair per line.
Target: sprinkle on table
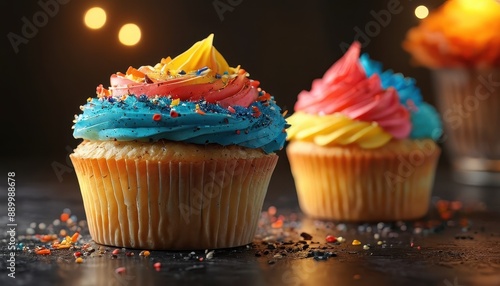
64,217
144,253
330,239
42,251
356,242
79,260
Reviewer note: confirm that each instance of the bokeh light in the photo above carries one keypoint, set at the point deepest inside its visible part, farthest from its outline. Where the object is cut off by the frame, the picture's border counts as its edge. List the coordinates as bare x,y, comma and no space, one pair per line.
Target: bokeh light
95,18
130,34
421,12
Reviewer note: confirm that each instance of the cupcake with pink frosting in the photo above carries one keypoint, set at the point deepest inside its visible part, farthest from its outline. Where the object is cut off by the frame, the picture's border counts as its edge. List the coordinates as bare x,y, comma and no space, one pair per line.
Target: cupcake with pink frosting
177,155
362,144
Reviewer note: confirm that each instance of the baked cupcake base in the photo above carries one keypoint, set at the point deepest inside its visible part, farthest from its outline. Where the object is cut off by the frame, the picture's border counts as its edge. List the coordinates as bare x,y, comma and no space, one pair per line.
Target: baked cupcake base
168,195
349,183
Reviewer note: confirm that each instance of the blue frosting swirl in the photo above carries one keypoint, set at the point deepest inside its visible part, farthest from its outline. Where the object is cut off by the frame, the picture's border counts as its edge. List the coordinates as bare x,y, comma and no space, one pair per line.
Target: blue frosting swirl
425,120
151,119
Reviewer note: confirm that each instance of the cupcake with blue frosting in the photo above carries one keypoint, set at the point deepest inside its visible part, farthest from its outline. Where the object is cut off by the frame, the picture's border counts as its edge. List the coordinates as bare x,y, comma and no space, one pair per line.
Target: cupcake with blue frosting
177,155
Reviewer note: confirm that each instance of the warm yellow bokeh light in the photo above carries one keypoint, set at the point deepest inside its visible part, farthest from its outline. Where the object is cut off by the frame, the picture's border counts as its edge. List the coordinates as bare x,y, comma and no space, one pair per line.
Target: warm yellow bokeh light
421,12
130,34
95,18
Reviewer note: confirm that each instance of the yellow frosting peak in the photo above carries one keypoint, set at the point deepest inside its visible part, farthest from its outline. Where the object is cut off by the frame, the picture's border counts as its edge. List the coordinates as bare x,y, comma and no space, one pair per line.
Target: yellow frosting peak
201,54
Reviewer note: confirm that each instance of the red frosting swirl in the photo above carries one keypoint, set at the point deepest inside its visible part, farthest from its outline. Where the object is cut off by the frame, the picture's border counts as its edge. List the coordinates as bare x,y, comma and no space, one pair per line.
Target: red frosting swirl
346,89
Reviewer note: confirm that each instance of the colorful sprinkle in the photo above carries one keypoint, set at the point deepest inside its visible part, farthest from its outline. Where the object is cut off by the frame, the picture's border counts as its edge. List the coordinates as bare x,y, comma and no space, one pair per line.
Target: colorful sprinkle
74,237
116,251
120,270
356,242
174,113
256,111
175,102
144,253
330,238
231,109
79,260
198,110
64,217
42,251
157,266
77,254
254,83
265,97
366,247
157,117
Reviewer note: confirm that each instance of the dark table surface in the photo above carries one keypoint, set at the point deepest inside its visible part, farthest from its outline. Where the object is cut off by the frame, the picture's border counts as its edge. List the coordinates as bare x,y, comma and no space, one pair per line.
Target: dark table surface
457,243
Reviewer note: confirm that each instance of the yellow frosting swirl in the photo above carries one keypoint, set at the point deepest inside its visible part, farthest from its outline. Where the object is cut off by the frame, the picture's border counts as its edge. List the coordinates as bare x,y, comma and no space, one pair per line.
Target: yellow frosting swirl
336,129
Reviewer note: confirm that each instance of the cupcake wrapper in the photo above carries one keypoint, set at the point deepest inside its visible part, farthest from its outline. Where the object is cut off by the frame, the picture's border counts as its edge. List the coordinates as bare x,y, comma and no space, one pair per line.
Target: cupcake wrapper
173,205
340,183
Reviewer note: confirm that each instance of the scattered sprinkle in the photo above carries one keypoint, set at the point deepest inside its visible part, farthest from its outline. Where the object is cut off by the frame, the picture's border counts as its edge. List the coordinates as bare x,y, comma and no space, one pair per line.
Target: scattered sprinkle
144,253
157,117
175,102
306,236
79,260
366,247
42,251
174,113
64,217
330,239
356,242
210,255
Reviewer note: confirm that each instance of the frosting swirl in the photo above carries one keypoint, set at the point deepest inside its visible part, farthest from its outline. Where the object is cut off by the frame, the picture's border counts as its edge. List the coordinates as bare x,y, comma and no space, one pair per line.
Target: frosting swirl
193,98
425,120
346,89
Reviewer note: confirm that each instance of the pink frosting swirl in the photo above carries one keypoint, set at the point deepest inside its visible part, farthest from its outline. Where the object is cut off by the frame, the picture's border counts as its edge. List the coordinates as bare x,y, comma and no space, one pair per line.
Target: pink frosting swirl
239,90
346,89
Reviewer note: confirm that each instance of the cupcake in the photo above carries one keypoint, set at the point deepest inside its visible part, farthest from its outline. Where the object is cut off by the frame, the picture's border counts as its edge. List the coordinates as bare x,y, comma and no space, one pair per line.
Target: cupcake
177,155
460,44
362,144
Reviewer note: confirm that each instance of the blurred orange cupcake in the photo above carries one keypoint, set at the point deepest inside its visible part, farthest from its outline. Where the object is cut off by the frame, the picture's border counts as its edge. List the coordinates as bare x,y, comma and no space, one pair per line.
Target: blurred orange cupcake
360,151
460,43
460,33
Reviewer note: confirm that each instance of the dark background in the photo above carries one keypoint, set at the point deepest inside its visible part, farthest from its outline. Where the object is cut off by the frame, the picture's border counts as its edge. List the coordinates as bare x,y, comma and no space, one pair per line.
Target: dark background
284,45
